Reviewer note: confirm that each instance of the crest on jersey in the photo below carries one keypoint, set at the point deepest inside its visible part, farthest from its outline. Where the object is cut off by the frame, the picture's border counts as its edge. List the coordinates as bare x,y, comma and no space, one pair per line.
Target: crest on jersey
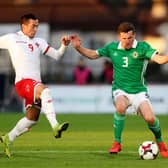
135,54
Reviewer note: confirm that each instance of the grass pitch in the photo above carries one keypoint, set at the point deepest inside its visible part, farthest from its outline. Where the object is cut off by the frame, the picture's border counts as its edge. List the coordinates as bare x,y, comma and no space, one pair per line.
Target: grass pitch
84,145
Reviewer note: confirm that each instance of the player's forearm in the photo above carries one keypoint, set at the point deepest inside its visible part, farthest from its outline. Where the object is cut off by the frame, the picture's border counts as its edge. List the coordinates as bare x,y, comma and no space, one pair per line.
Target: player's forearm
56,54
160,59
91,54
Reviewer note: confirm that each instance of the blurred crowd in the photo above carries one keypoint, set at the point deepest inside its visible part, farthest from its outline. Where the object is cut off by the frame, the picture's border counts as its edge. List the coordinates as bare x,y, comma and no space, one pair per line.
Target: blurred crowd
82,74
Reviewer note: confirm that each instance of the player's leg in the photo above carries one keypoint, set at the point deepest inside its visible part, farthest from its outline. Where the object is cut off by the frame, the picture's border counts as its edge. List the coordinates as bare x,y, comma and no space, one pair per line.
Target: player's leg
22,126
154,125
121,104
153,122
32,114
43,93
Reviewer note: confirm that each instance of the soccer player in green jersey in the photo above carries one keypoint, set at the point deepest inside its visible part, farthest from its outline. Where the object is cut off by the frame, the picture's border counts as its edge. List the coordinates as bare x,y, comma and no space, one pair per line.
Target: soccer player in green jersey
129,58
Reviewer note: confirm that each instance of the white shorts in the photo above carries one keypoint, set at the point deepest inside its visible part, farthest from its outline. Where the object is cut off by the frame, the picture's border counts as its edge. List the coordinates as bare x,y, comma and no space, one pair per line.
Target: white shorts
134,99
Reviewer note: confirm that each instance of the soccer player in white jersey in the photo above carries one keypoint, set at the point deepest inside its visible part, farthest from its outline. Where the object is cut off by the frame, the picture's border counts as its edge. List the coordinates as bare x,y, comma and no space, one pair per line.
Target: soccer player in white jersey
25,50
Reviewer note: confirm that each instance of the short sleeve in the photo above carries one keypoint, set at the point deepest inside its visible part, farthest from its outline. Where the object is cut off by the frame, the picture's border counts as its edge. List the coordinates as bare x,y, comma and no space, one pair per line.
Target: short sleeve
107,49
149,51
102,51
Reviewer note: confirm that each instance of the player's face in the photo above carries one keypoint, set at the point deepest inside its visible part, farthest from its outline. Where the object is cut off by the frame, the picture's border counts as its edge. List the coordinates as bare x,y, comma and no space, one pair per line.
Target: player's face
30,28
127,39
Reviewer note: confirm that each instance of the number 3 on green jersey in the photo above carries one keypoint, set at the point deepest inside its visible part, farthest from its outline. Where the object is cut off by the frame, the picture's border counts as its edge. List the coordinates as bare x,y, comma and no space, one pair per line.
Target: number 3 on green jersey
125,62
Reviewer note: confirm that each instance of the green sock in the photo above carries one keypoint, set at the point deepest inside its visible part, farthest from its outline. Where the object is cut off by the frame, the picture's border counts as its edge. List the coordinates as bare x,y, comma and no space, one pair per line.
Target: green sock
155,128
118,126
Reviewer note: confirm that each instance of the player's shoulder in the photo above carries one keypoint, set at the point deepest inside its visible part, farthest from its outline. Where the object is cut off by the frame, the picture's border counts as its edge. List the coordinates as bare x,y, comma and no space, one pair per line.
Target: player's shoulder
13,35
143,44
112,45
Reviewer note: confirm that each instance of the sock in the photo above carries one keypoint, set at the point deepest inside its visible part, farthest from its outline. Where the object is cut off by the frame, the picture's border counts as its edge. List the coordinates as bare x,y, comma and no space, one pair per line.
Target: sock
118,126
48,107
22,126
155,128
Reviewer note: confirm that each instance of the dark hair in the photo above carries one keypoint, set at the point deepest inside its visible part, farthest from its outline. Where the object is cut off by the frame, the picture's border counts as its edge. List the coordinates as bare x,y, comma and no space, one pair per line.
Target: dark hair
125,27
26,17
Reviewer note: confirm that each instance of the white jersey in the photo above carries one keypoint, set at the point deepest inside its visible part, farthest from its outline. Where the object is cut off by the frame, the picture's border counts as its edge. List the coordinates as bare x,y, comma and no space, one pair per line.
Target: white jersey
25,54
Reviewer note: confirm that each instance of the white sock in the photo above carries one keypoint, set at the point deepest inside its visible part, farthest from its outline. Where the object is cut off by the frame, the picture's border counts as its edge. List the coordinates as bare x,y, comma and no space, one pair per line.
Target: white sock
22,126
48,107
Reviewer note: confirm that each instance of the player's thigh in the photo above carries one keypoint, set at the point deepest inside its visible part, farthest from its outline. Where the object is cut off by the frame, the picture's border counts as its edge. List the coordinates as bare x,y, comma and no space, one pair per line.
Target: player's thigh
121,103
32,113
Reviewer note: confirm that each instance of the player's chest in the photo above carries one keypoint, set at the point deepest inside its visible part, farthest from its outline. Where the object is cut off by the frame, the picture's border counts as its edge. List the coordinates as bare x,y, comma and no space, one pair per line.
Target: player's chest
27,46
126,58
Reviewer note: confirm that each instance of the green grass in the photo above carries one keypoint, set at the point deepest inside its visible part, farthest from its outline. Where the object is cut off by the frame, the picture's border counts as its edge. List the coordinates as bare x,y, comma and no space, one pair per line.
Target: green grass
84,145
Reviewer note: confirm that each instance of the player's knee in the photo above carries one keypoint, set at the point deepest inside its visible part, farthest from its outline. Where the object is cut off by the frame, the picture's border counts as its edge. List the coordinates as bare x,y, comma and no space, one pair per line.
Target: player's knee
149,119
32,113
46,94
39,90
121,105
120,109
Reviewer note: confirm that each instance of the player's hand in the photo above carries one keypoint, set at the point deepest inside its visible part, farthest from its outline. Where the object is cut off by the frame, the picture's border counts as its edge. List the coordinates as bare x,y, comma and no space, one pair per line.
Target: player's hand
66,40
76,42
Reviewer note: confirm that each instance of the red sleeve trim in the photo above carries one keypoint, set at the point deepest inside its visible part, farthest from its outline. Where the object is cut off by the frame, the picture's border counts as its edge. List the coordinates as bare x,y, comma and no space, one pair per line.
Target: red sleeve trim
46,50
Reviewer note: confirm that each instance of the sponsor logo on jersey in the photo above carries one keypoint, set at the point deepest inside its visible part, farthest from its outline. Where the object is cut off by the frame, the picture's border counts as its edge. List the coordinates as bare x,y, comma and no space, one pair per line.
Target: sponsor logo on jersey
21,42
115,54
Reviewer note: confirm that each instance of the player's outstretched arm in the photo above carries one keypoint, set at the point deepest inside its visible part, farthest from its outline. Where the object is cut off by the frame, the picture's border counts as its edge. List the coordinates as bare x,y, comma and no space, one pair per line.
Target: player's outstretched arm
160,59
89,53
57,53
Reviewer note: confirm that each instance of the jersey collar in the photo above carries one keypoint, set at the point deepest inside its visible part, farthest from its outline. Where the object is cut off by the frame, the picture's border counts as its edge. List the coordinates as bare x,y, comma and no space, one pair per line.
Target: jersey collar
133,46
22,34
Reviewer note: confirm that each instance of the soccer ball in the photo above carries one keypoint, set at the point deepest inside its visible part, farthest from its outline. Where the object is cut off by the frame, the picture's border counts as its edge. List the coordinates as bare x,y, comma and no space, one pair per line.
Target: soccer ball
148,150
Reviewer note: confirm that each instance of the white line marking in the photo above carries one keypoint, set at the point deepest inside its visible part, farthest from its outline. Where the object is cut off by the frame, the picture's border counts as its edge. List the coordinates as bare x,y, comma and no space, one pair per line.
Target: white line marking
71,151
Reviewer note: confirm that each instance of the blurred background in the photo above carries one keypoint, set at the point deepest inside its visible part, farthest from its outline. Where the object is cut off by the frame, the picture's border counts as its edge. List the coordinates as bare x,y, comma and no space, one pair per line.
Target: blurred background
96,22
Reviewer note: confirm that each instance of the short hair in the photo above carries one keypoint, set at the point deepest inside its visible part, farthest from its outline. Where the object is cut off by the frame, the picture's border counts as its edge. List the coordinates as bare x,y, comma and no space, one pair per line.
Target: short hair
26,18
125,27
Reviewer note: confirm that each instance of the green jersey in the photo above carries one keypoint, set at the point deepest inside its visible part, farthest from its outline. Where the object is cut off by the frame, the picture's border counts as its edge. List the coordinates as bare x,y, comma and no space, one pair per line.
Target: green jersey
129,65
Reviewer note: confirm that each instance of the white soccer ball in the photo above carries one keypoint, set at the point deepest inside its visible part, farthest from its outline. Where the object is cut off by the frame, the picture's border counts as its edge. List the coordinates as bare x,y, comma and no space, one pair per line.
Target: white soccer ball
148,150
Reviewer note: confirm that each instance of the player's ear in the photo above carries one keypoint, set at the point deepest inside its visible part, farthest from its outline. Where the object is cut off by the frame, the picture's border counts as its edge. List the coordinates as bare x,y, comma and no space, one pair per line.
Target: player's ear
134,34
119,36
22,26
